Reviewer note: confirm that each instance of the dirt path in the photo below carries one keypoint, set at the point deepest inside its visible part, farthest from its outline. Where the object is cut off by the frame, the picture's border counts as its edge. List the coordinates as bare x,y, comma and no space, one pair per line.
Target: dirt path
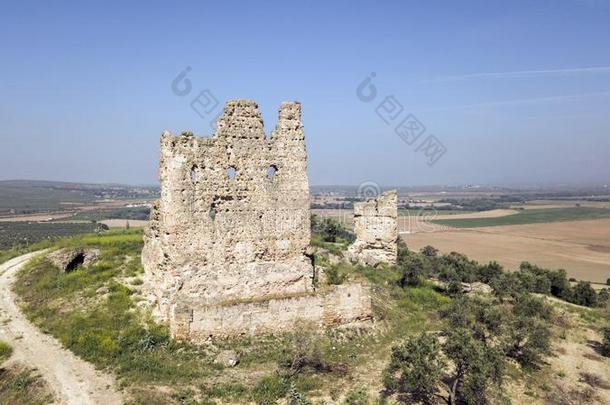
74,380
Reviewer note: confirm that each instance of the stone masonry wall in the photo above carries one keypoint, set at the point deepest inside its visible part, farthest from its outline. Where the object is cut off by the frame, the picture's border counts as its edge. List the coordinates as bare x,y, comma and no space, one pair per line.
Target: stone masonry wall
226,226
232,223
376,228
341,304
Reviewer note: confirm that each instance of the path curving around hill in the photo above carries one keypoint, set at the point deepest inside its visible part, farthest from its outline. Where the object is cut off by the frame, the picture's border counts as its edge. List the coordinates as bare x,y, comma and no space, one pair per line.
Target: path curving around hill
73,380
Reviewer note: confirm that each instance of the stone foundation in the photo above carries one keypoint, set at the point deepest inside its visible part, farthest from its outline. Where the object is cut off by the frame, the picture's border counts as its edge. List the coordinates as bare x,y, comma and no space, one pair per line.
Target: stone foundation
340,304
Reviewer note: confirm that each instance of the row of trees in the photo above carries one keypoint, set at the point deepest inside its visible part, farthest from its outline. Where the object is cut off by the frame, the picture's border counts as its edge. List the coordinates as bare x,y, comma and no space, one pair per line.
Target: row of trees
455,268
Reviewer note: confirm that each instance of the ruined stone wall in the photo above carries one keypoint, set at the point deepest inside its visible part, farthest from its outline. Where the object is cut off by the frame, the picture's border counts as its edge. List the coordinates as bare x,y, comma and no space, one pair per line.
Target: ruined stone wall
376,229
341,304
233,219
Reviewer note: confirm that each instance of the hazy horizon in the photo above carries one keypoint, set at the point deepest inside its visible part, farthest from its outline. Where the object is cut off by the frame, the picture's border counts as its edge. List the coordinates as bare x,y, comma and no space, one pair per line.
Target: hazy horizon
517,93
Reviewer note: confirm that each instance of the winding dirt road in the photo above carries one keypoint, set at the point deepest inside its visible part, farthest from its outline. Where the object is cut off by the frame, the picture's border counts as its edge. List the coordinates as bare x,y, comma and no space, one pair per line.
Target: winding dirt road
74,380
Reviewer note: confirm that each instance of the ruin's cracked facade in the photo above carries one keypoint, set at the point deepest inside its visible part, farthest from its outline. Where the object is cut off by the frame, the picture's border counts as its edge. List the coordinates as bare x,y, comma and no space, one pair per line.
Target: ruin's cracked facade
376,229
225,249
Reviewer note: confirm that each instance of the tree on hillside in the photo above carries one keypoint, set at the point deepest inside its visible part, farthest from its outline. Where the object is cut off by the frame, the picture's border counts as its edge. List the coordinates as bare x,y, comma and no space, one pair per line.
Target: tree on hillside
507,285
429,251
526,335
416,368
560,285
413,270
584,294
466,269
478,368
490,272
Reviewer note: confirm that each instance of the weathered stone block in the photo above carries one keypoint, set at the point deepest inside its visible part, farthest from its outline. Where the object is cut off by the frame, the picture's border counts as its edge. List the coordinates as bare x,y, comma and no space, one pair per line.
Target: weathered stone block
68,259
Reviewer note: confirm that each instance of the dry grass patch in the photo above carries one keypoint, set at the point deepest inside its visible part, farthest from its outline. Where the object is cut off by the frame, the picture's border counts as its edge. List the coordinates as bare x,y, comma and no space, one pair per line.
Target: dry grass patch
594,380
21,385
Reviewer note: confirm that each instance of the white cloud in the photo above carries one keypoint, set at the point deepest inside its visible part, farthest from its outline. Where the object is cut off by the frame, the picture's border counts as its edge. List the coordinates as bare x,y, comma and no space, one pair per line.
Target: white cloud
527,73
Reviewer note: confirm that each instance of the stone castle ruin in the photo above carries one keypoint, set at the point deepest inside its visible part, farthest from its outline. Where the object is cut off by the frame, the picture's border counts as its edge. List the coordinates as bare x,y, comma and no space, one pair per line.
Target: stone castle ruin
376,229
225,248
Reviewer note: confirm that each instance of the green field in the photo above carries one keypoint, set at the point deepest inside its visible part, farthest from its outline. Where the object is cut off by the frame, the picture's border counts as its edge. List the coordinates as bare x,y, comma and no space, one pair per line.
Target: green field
24,233
531,216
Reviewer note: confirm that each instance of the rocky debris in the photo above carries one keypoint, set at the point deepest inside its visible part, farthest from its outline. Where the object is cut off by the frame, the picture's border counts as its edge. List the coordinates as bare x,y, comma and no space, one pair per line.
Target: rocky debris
376,229
68,259
468,288
227,358
477,288
232,224
103,290
330,257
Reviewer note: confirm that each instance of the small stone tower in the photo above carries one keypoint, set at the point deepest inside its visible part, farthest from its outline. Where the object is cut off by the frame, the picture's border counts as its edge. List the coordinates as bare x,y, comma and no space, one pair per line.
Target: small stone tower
376,228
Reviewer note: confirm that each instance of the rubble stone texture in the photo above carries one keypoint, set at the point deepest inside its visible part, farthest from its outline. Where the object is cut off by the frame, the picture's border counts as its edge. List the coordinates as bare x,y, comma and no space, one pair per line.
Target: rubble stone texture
68,259
232,226
376,228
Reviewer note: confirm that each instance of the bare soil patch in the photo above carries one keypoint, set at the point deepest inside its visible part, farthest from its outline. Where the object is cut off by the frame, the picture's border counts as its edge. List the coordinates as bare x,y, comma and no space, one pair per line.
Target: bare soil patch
582,248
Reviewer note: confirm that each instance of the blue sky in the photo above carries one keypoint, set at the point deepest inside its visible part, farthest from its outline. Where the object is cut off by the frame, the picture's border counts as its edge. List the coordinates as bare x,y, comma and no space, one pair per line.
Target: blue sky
517,92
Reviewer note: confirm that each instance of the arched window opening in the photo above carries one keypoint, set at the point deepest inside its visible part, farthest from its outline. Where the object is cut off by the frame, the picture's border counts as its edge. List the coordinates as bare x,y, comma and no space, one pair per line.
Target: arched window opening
231,172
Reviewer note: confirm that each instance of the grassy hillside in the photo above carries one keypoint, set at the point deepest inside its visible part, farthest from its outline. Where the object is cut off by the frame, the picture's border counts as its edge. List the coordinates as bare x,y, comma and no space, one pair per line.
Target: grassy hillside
99,313
95,313
530,216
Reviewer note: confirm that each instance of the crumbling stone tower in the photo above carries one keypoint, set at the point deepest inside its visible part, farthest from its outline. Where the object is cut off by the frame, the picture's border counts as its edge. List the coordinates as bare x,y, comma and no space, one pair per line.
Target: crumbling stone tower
376,229
225,247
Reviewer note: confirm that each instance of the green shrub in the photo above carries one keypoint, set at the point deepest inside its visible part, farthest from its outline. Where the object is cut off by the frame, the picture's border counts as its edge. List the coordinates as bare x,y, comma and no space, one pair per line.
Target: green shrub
305,353
5,351
490,272
335,274
414,270
269,389
584,294
602,296
358,396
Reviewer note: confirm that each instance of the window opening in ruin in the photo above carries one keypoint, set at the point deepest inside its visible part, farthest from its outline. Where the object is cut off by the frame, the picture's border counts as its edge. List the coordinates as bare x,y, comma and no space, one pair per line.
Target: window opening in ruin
271,170
231,173
212,212
194,174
